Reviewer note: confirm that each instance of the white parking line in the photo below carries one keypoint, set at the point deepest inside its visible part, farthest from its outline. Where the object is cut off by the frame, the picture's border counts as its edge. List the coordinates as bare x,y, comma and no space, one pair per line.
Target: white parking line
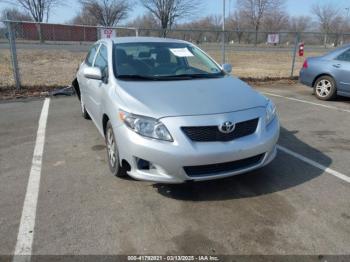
315,164
307,102
26,227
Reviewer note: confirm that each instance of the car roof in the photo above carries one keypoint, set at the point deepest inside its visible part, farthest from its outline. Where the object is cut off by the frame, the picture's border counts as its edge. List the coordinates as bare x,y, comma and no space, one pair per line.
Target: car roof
141,39
337,51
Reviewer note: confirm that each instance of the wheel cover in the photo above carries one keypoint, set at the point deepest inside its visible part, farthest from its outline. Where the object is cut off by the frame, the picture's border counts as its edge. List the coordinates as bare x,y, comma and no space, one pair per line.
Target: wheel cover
323,88
111,147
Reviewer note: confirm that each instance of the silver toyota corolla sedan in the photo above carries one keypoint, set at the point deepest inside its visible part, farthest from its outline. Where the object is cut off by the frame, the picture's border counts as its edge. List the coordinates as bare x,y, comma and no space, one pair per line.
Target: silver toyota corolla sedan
169,113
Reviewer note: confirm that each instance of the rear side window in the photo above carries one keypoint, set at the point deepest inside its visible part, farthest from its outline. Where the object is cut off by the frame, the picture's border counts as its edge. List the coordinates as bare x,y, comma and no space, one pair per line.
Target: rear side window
91,55
344,56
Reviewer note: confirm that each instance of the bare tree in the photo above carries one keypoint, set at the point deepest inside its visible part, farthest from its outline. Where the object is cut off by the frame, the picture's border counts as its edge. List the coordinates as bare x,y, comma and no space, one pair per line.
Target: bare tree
347,19
255,11
84,18
146,21
215,24
15,15
300,23
106,12
275,20
210,23
38,9
338,26
326,15
238,23
169,11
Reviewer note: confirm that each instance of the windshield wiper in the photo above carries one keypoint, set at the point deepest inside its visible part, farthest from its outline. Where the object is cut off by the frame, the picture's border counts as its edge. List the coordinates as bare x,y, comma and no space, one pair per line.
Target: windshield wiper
168,77
138,77
198,75
189,76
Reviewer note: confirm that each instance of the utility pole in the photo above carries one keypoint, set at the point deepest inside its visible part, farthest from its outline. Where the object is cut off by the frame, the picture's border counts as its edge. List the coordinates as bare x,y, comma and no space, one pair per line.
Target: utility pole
223,31
229,8
297,39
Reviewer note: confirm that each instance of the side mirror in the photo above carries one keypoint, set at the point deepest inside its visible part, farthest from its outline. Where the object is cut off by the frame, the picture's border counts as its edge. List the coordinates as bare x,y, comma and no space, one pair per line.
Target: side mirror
93,73
227,68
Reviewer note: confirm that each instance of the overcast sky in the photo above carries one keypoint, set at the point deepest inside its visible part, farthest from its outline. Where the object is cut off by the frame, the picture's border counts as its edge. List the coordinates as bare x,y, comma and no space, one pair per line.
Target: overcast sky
295,7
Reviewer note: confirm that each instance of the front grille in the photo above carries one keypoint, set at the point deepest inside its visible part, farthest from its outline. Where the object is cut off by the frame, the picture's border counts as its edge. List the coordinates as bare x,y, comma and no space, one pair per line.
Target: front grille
214,169
212,133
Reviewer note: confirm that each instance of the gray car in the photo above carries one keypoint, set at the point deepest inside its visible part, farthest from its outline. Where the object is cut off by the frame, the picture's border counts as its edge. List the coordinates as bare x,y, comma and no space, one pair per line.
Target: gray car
329,74
169,113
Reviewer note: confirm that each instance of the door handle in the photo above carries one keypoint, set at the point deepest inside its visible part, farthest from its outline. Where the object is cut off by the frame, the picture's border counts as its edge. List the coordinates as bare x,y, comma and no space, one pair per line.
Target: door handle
337,65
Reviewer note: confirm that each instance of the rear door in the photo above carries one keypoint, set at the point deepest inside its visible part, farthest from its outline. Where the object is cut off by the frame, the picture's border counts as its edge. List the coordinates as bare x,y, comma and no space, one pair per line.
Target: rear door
341,67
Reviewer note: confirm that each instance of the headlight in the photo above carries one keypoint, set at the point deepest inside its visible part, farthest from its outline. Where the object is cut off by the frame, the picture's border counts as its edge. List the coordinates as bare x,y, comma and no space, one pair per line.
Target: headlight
146,126
270,112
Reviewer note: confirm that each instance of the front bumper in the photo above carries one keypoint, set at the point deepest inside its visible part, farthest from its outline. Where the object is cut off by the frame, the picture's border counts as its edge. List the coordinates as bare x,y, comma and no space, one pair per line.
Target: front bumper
169,158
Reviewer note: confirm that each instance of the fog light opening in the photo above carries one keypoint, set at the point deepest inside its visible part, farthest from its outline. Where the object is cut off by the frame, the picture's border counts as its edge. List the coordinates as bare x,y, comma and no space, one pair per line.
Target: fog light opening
151,166
143,164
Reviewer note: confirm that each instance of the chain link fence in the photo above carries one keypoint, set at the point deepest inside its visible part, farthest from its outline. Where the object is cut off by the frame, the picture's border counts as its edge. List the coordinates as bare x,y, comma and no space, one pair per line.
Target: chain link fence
6,73
49,54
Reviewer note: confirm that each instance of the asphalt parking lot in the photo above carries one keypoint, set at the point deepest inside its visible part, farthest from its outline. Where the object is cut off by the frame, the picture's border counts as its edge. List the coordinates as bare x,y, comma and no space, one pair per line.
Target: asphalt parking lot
299,204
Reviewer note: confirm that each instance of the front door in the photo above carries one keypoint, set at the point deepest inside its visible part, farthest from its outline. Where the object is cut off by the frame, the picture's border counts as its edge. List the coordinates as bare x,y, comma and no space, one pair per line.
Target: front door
342,71
97,87
84,83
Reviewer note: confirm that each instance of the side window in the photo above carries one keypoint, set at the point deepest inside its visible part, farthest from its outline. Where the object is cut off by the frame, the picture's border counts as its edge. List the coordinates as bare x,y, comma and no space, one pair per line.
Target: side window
344,56
91,55
102,61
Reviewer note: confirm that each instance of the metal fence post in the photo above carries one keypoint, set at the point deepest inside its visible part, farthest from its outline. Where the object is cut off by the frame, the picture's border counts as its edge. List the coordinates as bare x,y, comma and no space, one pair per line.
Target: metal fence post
12,41
223,32
297,37
53,34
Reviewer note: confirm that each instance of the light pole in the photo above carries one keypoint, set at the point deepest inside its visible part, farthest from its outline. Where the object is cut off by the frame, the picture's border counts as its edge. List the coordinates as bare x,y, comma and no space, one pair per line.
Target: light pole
223,30
347,9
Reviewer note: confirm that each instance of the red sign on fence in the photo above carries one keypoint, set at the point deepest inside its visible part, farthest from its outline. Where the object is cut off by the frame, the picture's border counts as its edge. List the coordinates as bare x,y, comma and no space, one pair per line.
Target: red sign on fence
108,33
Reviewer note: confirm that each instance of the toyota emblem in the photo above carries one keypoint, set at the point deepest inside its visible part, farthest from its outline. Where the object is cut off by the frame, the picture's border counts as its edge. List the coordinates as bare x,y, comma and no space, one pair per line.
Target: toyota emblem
227,127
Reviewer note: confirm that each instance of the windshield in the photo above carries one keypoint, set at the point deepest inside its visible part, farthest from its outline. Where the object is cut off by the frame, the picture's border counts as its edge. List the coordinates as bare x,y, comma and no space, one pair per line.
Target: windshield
162,61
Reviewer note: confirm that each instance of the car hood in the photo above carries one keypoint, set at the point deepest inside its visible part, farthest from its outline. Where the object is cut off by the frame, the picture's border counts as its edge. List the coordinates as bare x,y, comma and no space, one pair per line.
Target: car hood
160,99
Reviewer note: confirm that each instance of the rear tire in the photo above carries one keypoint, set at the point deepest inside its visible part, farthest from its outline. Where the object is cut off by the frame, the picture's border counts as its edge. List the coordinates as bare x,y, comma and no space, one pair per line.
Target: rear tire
112,152
325,88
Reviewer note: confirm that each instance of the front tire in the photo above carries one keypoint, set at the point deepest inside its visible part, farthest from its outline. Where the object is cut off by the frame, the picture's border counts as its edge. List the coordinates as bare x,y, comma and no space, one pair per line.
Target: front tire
112,152
325,88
